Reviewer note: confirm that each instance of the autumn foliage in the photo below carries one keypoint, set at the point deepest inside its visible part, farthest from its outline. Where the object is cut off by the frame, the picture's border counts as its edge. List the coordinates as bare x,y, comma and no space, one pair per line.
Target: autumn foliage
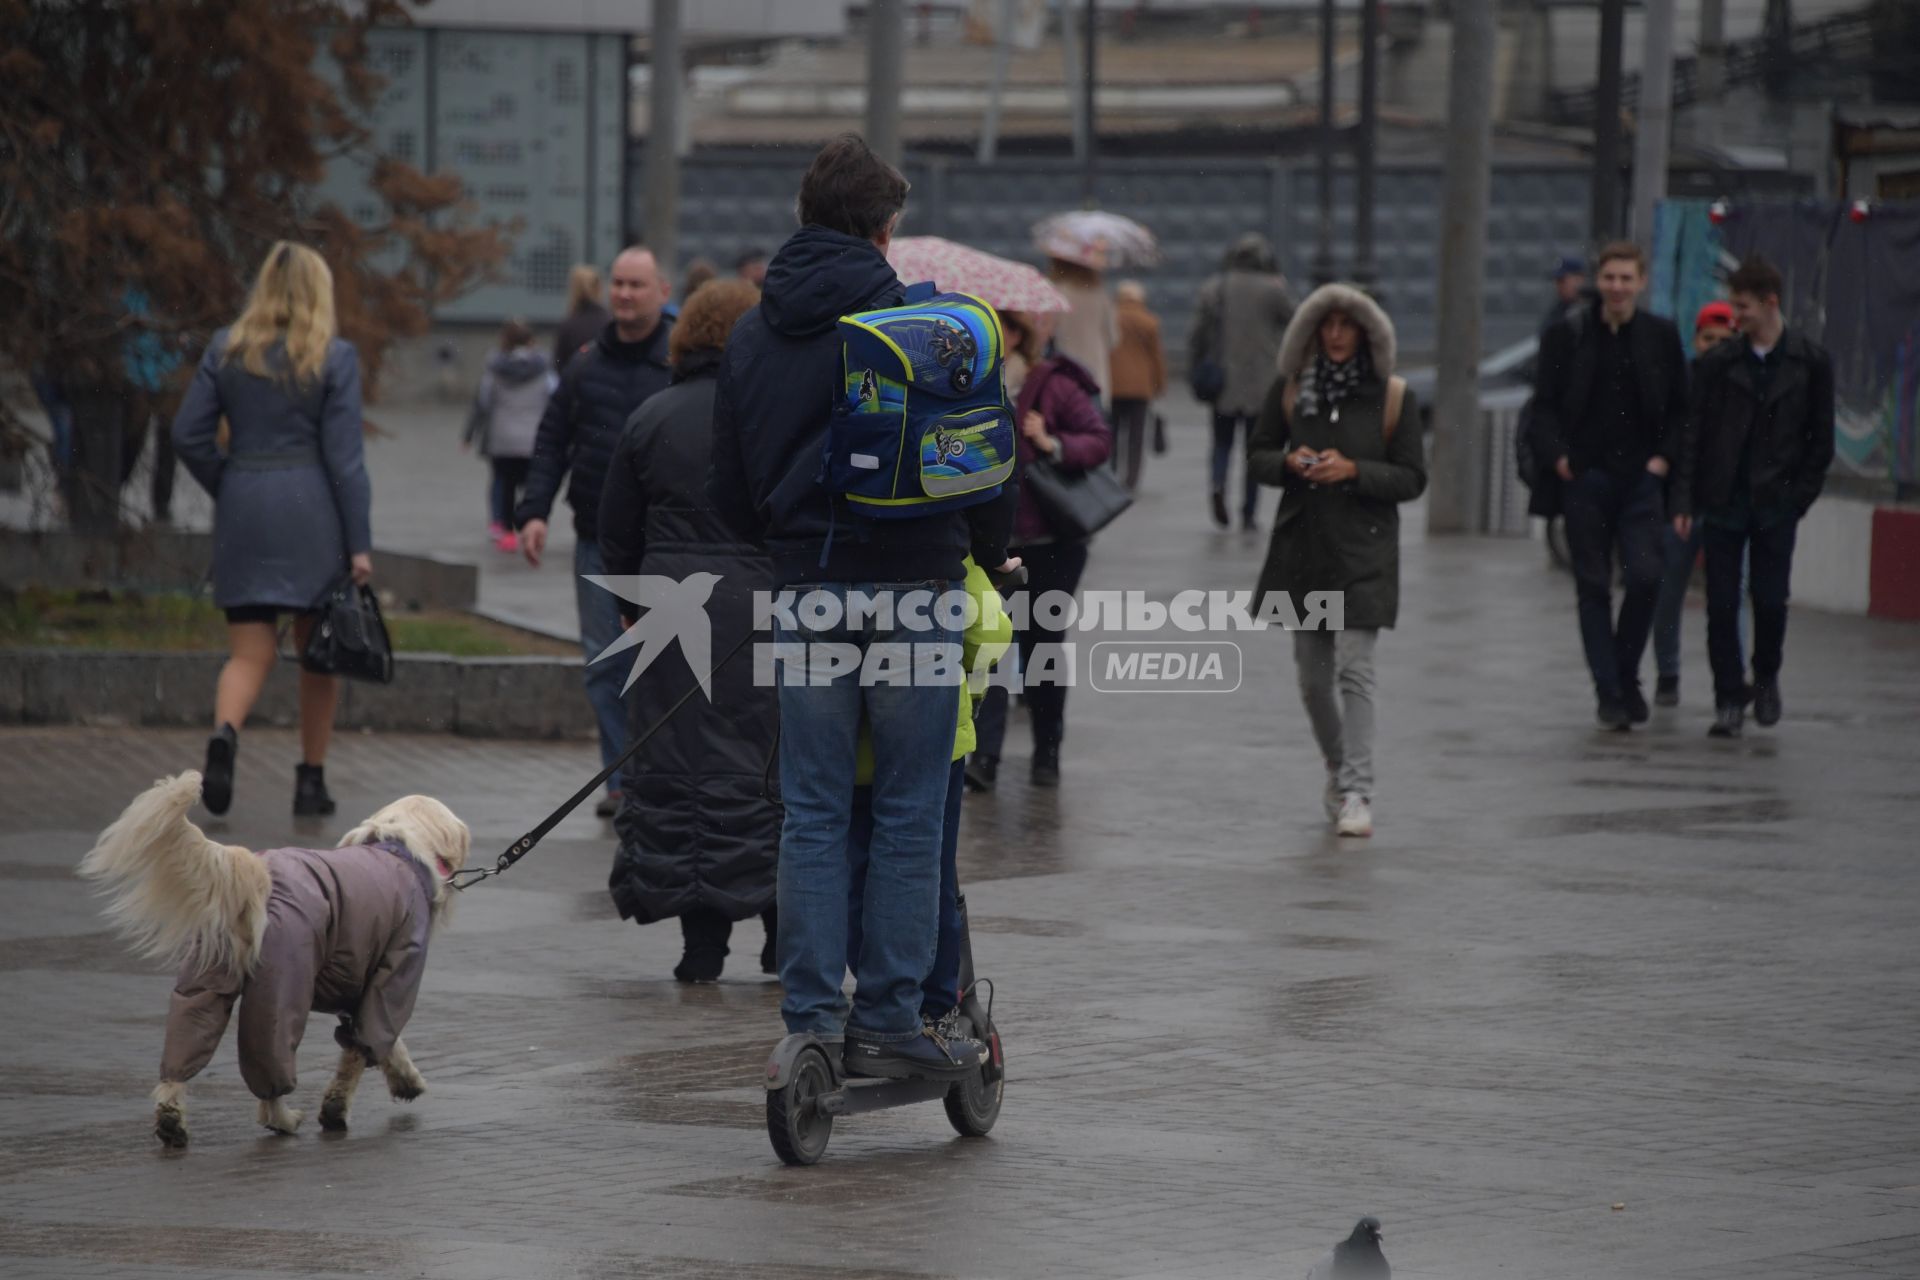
162,145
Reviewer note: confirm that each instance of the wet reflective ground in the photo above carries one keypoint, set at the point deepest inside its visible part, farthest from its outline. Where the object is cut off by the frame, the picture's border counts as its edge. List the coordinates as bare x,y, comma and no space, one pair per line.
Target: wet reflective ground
1573,970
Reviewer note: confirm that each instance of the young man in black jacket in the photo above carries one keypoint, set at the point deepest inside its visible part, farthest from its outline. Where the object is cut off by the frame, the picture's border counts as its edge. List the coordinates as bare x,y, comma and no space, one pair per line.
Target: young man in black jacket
1609,408
779,378
599,391
1758,445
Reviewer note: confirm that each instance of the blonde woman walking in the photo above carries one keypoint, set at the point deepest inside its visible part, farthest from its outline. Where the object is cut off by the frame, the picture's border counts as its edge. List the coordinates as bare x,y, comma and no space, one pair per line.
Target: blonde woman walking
290,498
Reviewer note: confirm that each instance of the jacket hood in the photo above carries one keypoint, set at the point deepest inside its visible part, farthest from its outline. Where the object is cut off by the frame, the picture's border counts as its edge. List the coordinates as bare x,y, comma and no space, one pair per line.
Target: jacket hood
1301,330
1251,252
820,275
522,364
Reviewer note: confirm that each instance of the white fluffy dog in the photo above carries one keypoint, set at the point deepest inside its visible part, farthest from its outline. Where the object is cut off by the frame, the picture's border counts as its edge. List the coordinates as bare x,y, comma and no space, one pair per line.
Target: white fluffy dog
340,931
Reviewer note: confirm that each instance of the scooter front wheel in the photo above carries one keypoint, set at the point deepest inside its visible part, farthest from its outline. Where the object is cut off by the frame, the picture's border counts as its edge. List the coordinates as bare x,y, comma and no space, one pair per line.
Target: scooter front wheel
973,1104
796,1125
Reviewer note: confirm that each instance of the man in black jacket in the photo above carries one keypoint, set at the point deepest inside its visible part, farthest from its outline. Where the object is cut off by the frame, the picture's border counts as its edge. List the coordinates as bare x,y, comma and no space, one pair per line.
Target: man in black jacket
1758,445
601,388
1609,407
779,379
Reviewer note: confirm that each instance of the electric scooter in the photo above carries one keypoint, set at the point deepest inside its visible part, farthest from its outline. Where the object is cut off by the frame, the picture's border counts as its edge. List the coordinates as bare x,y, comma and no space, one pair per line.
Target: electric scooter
807,1088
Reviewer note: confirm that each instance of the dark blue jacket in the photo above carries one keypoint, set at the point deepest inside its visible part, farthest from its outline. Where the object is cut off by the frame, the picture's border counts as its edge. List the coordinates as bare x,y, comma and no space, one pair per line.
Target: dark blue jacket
779,379
599,391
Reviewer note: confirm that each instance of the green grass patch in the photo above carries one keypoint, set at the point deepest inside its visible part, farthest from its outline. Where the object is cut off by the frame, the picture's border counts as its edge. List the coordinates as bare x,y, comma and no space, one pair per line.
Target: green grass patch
35,618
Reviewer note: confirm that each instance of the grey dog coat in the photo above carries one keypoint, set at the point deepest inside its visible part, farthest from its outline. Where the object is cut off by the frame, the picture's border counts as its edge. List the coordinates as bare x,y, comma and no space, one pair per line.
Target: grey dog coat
347,933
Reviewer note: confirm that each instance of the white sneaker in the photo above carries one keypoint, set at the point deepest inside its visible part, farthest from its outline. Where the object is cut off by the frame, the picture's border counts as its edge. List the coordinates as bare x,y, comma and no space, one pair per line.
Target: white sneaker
1355,819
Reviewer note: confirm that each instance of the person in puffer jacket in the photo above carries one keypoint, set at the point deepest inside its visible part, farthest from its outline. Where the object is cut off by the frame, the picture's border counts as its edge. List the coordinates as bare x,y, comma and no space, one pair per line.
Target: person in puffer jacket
513,394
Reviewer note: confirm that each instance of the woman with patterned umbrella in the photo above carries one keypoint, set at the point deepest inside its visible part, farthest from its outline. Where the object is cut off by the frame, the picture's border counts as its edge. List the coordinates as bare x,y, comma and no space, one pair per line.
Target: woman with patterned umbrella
1001,283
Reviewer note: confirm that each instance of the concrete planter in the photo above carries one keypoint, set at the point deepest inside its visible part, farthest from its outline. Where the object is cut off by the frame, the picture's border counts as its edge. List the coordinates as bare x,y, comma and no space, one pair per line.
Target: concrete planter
431,693
177,560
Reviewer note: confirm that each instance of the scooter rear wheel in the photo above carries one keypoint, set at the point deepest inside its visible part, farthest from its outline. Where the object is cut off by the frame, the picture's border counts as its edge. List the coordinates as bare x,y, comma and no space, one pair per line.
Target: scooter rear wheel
973,1104
797,1127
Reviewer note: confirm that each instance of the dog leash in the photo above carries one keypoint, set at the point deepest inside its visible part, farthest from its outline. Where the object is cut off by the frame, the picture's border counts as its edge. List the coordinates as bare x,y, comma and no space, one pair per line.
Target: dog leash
467,877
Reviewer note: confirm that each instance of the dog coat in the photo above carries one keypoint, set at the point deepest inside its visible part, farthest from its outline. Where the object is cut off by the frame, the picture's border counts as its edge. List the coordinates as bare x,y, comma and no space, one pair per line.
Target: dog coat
347,933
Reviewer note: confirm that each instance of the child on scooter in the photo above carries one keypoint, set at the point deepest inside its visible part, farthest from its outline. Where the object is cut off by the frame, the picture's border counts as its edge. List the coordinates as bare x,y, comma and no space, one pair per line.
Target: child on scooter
982,645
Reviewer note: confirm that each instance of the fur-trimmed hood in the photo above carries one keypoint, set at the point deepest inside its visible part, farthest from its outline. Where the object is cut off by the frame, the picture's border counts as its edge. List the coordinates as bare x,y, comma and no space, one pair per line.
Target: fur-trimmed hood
1299,341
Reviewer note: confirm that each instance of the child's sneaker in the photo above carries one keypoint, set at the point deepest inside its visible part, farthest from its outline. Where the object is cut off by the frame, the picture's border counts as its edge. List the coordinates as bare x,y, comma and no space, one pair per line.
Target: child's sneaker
1356,819
508,541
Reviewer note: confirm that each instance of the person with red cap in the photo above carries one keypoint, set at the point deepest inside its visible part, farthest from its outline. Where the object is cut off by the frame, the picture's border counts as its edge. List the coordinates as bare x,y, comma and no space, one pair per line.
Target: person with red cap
1711,326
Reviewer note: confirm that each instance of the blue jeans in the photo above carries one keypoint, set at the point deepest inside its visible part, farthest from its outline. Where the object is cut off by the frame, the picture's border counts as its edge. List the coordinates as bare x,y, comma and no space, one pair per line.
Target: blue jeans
1605,511
941,989
600,627
1668,610
912,727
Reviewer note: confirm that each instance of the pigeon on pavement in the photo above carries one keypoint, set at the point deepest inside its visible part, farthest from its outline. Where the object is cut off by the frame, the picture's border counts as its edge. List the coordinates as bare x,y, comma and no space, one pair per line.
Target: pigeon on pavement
1358,1257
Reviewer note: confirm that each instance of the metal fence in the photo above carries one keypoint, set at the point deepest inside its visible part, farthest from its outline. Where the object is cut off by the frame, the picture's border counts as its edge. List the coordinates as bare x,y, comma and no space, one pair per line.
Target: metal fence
734,200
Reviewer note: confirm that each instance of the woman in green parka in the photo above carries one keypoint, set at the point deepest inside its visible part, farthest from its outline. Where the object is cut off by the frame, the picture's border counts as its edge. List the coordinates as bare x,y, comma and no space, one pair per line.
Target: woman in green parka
1340,438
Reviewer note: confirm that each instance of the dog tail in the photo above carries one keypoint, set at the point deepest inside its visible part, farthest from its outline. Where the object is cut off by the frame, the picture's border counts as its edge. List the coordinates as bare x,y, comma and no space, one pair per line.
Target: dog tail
173,893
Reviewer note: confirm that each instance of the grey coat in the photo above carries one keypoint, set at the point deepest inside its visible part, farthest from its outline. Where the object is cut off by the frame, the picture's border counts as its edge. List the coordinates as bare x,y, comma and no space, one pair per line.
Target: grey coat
1238,322
1341,537
347,932
291,500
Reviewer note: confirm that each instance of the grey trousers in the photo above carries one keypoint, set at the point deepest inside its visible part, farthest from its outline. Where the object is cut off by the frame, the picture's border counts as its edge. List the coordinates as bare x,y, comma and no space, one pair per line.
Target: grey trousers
1336,684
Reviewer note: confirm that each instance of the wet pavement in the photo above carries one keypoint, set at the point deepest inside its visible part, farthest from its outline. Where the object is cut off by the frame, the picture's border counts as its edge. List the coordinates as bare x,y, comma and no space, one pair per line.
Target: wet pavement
1573,971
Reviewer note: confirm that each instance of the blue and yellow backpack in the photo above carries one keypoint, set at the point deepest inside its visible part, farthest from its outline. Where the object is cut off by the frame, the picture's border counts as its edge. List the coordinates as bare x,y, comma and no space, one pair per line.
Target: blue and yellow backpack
923,424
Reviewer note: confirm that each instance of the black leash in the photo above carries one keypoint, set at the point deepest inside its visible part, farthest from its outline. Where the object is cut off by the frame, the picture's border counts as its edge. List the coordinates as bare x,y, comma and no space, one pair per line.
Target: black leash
466,877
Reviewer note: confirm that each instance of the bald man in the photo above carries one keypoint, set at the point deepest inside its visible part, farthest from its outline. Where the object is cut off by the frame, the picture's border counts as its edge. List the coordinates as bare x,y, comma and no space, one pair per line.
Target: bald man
601,388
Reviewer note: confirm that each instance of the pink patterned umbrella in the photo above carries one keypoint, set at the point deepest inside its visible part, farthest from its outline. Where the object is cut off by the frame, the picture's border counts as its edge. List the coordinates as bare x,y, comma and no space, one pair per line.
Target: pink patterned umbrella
955,268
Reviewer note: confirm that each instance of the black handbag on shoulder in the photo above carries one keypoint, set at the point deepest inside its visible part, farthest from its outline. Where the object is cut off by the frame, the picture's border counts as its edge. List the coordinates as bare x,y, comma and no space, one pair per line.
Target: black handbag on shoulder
1077,504
349,637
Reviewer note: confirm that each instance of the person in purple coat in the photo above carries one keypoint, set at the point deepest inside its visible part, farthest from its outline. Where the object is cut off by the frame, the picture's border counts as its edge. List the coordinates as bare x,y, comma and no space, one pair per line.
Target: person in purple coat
1058,411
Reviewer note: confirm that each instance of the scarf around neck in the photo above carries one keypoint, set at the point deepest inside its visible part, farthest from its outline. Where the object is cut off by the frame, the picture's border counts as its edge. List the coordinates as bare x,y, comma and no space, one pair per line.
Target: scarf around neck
1328,384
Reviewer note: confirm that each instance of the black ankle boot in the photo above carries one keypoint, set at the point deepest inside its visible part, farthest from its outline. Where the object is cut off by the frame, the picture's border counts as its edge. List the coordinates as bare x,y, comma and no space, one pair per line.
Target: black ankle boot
310,798
1046,765
216,779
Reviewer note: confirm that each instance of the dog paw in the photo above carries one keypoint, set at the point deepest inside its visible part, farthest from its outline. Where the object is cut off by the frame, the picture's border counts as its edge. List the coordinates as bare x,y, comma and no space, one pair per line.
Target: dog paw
406,1088
279,1117
333,1115
170,1126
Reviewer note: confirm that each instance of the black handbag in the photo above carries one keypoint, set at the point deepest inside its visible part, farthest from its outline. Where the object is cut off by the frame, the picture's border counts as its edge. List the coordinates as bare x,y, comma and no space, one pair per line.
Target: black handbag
349,637
1077,504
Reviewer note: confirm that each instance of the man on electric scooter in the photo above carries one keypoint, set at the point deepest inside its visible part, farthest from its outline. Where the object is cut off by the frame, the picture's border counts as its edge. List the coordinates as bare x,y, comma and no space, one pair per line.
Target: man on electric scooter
781,373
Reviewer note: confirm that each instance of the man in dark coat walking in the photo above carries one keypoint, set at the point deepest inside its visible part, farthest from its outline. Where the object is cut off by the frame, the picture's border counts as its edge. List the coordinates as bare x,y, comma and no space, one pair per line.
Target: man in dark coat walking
1609,409
599,391
699,817
1757,448
780,377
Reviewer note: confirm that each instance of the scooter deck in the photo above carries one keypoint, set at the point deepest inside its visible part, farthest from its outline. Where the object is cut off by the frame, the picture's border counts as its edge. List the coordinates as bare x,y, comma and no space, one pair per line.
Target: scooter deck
861,1094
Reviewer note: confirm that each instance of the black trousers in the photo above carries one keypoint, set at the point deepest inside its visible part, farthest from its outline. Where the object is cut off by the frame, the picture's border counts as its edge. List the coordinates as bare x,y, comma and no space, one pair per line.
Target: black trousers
1130,439
1770,553
702,927
1051,566
1605,511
